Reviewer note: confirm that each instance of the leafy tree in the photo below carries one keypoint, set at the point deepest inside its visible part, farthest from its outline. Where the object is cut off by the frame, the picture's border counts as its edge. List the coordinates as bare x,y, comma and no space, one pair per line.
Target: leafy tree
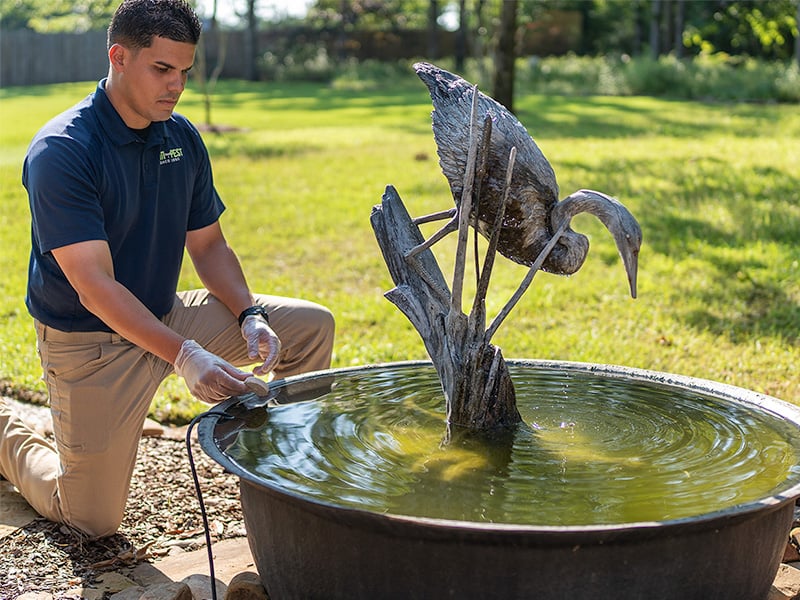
743,27
796,33
56,16
369,14
737,27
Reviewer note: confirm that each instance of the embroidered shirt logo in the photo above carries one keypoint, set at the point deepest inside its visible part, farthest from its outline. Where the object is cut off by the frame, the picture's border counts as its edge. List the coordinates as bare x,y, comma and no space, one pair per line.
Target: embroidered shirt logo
170,156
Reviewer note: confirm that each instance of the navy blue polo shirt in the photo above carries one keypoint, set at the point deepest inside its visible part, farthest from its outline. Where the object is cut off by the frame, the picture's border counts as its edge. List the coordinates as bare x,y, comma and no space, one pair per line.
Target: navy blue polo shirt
90,177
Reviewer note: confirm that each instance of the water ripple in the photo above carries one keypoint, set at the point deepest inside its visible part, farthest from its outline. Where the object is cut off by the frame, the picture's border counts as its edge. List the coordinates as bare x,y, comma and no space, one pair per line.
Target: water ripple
592,450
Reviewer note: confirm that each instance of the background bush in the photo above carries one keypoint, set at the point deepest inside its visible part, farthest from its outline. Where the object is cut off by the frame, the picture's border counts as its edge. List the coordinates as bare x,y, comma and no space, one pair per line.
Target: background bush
708,77
716,77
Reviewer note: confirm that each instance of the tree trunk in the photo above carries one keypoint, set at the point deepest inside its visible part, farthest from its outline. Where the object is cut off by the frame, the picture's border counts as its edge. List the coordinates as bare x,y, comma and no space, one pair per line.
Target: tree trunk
655,26
461,36
506,54
206,80
251,41
637,28
479,45
584,10
680,15
433,29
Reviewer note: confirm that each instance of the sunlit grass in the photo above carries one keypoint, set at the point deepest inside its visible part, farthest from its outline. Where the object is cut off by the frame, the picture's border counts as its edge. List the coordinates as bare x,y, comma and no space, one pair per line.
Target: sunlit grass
714,186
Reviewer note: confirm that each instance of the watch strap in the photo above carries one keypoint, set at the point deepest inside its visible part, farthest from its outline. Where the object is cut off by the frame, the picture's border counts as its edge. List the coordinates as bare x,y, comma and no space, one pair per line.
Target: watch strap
253,311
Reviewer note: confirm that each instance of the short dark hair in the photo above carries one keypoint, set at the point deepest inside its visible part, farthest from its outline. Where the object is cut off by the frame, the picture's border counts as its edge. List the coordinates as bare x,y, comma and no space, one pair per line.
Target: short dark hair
135,22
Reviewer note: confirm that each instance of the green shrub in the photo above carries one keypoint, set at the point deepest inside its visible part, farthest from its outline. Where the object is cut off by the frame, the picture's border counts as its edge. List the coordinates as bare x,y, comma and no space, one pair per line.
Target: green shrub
707,77
306,62
787,86
717,77
573,75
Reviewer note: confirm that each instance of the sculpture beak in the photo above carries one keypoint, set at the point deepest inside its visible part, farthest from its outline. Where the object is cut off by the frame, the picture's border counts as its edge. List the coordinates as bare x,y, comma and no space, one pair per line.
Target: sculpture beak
622,225
631,261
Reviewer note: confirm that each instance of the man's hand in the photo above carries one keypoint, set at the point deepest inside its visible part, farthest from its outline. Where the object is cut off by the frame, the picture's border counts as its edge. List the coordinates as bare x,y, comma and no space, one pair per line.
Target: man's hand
208,377
262,343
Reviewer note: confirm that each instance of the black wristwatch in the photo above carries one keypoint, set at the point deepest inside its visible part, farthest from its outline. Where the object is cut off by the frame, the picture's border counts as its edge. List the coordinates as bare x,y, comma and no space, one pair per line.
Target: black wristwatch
254,310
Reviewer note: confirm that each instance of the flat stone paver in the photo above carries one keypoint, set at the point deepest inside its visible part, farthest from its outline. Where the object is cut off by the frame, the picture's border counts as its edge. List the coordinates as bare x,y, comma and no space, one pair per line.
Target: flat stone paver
15,512
231,557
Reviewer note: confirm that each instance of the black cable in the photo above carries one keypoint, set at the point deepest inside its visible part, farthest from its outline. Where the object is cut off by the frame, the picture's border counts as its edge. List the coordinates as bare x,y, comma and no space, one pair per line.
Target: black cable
200,499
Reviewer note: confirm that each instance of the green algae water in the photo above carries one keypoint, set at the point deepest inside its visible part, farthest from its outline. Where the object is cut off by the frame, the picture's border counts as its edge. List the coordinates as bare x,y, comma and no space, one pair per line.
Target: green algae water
593,450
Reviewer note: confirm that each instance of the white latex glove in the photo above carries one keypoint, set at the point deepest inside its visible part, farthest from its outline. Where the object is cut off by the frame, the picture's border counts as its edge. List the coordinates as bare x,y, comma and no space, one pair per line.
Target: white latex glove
262,343
208,377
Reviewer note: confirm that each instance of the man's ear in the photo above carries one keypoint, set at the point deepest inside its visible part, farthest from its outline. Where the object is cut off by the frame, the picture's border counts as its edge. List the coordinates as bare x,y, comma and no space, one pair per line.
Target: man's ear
117,56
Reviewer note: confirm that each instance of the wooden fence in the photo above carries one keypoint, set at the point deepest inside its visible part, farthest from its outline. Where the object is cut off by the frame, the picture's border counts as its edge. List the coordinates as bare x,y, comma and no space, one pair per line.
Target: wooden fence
28,58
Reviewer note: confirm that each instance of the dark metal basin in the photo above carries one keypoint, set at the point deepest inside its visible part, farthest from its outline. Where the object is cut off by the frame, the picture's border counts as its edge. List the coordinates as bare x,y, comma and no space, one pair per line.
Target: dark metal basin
305,548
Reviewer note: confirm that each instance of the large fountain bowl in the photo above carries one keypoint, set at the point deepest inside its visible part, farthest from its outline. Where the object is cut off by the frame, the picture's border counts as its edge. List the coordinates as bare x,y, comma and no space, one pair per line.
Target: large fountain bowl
305,547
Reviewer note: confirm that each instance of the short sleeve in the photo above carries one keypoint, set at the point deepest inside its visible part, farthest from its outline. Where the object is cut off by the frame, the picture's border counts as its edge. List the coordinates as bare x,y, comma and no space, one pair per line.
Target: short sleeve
63,193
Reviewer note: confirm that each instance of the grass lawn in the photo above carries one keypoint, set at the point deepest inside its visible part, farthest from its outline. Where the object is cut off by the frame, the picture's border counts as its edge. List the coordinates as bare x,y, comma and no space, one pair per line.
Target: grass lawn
715,188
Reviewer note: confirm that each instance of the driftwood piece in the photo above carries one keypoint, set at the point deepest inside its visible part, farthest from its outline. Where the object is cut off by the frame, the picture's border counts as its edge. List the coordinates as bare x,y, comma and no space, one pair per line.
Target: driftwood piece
476,383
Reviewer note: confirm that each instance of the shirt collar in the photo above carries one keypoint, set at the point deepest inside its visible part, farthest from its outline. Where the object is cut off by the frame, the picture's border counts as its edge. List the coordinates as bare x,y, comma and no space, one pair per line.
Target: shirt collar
119,133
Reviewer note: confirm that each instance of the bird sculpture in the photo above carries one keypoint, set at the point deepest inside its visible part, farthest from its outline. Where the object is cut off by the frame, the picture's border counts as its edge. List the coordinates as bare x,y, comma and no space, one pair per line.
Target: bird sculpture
532,212
505,189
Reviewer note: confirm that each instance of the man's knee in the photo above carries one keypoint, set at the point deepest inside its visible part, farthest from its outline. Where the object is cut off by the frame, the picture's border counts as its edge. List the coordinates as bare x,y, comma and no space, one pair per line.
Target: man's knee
326,328
309,345
97,525
316,355
327,325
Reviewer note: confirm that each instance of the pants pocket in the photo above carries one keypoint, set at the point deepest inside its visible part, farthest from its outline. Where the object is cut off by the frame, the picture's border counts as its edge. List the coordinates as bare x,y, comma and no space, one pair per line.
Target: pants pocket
79,395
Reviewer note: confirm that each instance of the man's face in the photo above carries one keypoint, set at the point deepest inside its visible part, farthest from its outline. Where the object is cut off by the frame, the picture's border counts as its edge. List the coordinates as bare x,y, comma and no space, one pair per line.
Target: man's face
145,85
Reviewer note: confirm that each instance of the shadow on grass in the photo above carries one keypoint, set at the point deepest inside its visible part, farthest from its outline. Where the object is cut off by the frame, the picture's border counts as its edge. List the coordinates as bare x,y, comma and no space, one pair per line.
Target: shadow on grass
43,91
767,312
741,299
544,116
614,117
745,295
240,144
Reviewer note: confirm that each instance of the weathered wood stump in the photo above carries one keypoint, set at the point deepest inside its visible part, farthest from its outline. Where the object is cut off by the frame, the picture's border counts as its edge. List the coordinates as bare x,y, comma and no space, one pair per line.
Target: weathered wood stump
477,386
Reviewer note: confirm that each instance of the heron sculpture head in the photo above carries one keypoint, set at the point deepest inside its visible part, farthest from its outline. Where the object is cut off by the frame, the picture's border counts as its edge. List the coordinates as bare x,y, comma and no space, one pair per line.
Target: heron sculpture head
618,220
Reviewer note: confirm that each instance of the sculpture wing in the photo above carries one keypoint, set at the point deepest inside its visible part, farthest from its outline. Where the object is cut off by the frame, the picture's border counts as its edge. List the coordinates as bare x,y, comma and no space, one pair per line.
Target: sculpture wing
534,190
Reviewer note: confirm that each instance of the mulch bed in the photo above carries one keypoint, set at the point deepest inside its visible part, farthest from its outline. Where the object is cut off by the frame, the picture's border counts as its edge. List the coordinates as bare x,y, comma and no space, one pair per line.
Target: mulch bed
162,516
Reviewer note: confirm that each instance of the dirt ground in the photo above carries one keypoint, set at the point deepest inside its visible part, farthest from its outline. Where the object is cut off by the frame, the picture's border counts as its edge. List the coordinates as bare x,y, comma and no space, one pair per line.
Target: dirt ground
162,518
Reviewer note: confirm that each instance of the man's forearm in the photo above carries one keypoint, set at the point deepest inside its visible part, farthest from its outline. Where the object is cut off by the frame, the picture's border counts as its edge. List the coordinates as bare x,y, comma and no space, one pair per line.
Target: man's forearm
221,273
118,308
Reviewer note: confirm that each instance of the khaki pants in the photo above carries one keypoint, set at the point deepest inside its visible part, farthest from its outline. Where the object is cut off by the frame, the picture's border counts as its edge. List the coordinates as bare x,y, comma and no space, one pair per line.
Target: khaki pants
101,387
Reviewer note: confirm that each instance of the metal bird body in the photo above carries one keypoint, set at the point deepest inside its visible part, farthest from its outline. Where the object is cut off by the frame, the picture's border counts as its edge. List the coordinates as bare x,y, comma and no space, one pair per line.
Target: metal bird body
528,223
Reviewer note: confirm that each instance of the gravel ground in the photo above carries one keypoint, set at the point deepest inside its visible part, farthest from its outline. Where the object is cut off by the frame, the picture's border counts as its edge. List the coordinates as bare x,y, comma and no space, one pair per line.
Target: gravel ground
162,517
